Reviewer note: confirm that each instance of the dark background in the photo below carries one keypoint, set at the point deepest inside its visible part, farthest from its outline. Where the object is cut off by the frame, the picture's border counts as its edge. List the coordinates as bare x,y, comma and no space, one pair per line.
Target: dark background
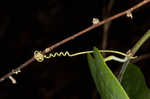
26,26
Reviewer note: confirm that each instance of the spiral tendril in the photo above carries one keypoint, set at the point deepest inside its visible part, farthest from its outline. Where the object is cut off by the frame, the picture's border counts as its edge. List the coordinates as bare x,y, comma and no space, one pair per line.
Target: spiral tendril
58,54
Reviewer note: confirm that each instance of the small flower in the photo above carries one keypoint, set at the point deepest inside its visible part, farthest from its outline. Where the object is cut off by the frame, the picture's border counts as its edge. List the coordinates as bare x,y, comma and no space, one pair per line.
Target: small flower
95,21
129,15
38,56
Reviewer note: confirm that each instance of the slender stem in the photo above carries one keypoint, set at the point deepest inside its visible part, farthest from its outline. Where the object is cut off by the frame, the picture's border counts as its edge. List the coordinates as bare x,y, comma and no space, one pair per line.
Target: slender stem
102,51
106,13
142,3
132,52
142,57
140,42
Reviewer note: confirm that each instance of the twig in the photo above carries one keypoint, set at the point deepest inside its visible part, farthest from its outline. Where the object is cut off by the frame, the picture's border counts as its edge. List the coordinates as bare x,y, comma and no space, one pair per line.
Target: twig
142,57
106,14
132,52
76,35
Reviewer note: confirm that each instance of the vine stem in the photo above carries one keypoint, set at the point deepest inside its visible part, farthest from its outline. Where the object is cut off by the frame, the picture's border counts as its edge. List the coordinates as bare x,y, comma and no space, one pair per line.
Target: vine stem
132,52
142,3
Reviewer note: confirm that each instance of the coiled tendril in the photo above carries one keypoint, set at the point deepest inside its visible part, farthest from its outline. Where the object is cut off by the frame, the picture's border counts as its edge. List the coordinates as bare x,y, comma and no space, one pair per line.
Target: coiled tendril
40,57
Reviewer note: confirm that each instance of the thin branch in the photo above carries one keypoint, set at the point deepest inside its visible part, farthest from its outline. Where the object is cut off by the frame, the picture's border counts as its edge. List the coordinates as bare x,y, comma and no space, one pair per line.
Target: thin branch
142,57
106,14
74,36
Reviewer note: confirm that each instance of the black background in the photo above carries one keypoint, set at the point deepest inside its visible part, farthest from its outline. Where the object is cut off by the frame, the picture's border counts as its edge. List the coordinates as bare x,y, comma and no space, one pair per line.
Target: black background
26,26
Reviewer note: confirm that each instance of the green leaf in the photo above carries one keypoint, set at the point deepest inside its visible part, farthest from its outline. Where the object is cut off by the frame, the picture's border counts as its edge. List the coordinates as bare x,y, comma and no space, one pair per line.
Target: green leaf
134,83
107,84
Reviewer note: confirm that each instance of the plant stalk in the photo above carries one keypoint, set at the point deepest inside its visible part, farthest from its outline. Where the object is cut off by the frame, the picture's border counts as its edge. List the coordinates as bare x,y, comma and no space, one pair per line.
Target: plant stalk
132,52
